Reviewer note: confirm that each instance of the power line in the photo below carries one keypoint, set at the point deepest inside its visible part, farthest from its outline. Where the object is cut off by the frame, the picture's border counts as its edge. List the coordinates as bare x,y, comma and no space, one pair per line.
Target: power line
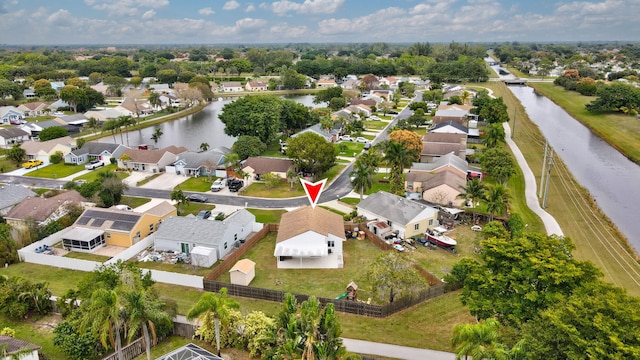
546,186
544,167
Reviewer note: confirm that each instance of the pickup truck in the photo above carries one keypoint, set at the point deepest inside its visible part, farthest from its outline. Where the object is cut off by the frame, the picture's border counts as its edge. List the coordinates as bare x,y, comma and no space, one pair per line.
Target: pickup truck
31,163
94,164
236,185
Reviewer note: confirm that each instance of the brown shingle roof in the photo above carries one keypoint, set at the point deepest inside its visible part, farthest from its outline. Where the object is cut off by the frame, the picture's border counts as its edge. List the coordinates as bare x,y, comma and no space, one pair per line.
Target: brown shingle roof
32,147
445,177
367,102
307,218
443,137
152,156
40,208
265,165
442,148
34,105
162,209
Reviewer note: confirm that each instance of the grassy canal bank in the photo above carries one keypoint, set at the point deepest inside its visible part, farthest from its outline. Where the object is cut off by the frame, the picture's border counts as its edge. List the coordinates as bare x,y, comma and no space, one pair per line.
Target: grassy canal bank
595,236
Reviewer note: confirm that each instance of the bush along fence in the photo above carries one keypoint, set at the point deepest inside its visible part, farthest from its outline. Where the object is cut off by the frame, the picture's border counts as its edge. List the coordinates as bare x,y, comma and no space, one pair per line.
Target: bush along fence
437,288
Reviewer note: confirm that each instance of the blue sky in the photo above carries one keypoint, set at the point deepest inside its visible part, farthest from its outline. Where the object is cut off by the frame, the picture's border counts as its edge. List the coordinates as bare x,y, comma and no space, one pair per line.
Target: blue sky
48,22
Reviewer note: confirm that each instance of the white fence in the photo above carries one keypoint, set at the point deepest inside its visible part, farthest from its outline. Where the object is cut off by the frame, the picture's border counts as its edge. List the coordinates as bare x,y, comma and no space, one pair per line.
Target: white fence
133,250
166,277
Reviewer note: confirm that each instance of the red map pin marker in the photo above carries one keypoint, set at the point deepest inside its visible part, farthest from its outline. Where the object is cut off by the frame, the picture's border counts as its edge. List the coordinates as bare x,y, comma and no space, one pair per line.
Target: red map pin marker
313,190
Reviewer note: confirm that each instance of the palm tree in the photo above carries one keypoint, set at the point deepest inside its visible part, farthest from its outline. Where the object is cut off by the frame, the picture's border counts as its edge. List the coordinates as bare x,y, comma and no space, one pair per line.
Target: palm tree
125,121
398,157
204,146
107,320
465,97
473,191
180,198
157,133
154,99
144,311
480,341
232,160
497,198
362,177
494,135
216,306
111,125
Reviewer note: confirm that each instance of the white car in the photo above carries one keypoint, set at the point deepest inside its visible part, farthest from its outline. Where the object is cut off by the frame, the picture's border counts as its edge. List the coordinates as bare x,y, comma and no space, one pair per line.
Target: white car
94,164
476,228
218,185
360,139
346,138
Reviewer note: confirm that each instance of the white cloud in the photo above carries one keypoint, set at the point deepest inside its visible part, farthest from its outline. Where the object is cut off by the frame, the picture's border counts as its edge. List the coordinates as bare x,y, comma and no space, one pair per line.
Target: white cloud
282,7
125,7
231,5
206,11
250,8
285,30
149,14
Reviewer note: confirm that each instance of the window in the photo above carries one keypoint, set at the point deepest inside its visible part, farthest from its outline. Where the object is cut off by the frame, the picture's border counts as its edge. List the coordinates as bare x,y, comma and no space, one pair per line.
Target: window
331,243
225,244
151,227
416,227
430,222
389,222
138,234
108,235
235,237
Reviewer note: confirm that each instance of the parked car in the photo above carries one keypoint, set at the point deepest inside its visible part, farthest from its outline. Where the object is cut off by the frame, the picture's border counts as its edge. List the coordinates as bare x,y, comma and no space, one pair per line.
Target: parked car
124,207
476,228
94,164
367,145
360,139
197,198
398,247
236,185
346,138
32,163
218,185
204,214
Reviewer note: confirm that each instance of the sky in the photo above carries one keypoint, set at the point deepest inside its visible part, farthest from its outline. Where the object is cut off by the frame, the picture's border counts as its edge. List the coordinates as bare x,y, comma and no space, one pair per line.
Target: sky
86,22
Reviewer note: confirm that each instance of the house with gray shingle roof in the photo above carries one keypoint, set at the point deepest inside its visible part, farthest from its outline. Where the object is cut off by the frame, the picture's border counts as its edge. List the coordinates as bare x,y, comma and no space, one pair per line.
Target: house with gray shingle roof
12,135
407,217
10,195
201,163
183,234
310,238
20,349
95,151
330,136
10,115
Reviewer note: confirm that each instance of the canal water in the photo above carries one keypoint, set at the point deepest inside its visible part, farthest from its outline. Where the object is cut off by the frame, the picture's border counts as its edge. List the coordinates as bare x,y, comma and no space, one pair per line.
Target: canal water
610,178
193,130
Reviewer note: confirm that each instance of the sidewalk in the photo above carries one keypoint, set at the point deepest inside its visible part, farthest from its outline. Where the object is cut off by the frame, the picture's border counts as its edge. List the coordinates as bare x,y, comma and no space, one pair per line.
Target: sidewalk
394,351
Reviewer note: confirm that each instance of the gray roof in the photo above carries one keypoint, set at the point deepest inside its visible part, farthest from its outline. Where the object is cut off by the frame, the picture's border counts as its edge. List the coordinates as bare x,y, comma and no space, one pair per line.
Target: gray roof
189,352
316,129
13,194
194,160
450,159
47,124
450,123
69,119
392,207
12,132
95,148
180,228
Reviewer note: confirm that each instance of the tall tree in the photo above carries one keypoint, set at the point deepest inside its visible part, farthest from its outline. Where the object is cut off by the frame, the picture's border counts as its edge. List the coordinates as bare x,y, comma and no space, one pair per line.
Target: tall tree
480,341
497,197
392,274
204,146
16,154
362,177
154,100
157,133
398,157
311,153
180,198
255,115
106,321
143,311
493,136
213,306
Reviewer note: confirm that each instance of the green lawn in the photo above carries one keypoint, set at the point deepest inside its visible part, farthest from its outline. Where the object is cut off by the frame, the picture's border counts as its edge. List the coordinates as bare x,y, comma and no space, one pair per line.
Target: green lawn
194,208
200,184
37,331
55,171
358,254
87,256
352,148
133,201
375,124
93,175
59,280
7,165
267,216
177,268
350,201
282,190
147,179
380,182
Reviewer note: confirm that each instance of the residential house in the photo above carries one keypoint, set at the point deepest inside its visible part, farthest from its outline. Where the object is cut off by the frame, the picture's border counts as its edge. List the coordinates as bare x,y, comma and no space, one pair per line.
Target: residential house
37,108
217,237
169,100
310,238
449,127
435,145
368,102
256,86
389,212
387,82
57,85
454,112
154,160
189,352
10,115
18,349
232,86
260,165
204,163
443,187
98,227
58,104
382,93
101,88
325,83
43,210
77,120
159,88
214,87
350,84
450,160
12,135
330,135
242,272
42,150
10,195
103,115
34,128
29,93
95,151
131,106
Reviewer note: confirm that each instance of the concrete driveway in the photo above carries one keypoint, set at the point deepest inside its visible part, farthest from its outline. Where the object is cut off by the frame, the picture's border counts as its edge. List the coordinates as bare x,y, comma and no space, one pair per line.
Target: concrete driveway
22,171
165,182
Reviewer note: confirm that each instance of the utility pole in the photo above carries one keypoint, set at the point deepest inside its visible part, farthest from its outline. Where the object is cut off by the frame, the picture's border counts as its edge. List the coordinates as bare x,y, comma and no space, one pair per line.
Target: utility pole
544,166
546,185
513,131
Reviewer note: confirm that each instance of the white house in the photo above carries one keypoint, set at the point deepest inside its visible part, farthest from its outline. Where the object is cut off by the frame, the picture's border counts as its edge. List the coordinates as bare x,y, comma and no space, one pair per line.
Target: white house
10,115
95,150
310,238
405,216
12,135
232,86
18,349
183,234
153,161
202,163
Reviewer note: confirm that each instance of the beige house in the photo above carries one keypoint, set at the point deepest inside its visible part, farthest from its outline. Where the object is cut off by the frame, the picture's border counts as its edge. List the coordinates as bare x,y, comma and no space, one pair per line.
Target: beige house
31,109
42,150
243,272
256,86
232,86
43,210
153,161
325,83
443,187
256,166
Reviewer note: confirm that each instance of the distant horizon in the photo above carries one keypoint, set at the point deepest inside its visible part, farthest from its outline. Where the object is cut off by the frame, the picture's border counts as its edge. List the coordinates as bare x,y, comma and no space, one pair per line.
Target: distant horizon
198,22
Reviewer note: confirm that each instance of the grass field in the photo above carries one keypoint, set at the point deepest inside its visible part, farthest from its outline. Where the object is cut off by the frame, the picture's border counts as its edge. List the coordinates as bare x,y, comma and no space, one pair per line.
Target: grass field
267,216
375,125
282,190
194,208
133,201
55,171
87,256
177,268
200,184
93,175
37,331
595,237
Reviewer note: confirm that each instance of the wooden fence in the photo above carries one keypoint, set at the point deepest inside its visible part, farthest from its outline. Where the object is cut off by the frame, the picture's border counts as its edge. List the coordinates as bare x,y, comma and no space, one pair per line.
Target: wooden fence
130,351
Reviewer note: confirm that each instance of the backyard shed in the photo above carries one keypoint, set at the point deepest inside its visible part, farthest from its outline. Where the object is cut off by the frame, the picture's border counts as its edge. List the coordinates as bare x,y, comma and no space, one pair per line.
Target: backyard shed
203,256
243,272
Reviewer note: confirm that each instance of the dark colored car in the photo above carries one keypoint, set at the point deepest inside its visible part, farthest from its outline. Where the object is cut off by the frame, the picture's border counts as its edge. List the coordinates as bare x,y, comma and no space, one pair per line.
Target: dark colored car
236,185
203,214
197,198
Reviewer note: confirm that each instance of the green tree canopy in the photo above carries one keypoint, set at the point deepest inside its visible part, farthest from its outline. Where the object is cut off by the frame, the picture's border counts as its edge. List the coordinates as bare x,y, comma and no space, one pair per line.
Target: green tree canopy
615,96
392,274
311,153
255,115
247,146
53,132
498,164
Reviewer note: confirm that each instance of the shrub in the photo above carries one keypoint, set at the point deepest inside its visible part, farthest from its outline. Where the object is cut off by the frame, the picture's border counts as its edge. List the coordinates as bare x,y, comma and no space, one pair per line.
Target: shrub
56,158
